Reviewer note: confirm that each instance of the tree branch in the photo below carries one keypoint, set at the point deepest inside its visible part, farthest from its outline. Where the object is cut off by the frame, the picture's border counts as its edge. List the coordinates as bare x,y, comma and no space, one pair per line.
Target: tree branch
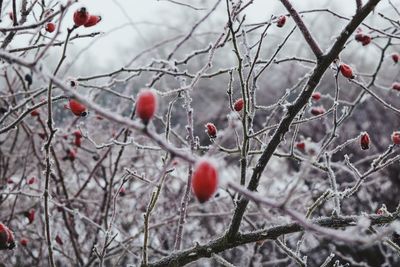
220,244
303,28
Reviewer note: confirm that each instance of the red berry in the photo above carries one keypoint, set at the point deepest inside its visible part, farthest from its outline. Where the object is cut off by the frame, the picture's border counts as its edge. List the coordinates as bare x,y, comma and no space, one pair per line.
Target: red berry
211,130
35,113
30,215
78,142
6,238
359,36
81,16
50,27
146,105
317,111
93,20
10,181
77,108
71,154
238,105
396,86
365,39
379,211
204,180
300,145
77,134
395,57
59,240
23,242
316,96
122,192
364,141
346,71
281,21
396,138
32,180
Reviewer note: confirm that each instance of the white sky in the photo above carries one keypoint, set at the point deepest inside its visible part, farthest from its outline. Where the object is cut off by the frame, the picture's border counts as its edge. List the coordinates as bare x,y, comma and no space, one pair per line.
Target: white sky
116,13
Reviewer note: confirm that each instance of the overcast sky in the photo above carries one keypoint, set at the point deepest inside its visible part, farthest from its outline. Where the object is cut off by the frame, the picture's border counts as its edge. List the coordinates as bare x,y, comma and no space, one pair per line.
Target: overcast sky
126,22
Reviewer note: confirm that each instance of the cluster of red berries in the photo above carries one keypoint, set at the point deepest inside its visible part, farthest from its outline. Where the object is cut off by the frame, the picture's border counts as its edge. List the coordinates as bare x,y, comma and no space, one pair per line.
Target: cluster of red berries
6,238
82,17
364,39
